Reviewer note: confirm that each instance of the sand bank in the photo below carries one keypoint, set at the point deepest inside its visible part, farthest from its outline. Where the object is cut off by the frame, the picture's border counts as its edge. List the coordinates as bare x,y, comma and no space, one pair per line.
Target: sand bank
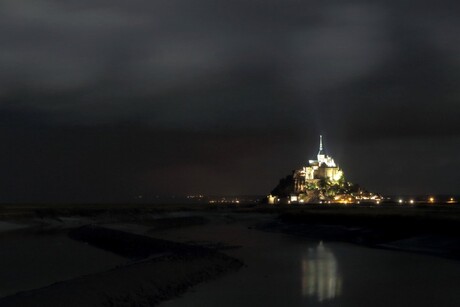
162,270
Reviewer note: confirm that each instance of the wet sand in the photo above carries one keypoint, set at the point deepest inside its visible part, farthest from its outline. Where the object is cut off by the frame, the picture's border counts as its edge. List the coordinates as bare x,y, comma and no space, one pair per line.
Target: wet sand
157,269
8,226
140,284
286,270
193,257
30,261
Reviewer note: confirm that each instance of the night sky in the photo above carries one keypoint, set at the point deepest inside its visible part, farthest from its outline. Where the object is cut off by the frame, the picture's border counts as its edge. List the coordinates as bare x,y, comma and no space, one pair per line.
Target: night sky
103,100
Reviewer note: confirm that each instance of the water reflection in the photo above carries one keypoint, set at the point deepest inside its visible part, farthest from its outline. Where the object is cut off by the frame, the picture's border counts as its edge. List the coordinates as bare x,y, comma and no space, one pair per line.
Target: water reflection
321,278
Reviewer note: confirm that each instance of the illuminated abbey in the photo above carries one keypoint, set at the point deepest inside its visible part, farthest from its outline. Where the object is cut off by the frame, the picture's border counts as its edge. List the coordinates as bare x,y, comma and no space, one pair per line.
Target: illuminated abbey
323,168
321,181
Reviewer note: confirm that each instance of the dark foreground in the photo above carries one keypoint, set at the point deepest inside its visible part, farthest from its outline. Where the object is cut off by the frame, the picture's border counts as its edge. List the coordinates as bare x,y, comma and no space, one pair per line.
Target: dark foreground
137,255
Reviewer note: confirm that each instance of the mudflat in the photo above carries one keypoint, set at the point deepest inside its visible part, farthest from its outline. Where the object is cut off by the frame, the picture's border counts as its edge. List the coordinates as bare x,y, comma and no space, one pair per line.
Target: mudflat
125,255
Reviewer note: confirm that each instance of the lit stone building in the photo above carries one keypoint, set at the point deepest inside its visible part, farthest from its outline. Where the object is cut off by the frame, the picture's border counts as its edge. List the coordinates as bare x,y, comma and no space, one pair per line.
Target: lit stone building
321,181
322,168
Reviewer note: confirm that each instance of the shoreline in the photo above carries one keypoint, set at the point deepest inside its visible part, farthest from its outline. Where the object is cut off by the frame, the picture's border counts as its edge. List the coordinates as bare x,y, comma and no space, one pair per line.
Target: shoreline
160,270
149,238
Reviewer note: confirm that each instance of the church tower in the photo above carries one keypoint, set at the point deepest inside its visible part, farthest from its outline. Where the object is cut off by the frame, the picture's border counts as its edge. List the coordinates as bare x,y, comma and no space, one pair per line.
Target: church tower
321,153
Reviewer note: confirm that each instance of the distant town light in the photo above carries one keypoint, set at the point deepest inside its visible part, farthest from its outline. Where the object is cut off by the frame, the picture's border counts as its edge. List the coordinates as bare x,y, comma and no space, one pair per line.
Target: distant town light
411,201
431,199
400,201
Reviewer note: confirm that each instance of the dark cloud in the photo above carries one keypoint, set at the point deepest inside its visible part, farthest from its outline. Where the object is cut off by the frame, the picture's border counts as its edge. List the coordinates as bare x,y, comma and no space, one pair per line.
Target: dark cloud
103,100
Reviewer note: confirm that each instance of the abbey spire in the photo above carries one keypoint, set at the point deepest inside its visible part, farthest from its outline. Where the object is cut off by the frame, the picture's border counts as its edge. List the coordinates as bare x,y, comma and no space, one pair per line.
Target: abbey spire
320,144
321,154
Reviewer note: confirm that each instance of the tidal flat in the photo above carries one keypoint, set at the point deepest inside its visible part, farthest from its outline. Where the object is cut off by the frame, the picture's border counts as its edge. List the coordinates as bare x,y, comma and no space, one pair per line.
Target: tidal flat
228,255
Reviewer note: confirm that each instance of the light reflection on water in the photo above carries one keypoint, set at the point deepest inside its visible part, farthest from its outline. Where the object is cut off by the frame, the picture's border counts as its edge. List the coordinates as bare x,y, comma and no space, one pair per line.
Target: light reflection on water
321,277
